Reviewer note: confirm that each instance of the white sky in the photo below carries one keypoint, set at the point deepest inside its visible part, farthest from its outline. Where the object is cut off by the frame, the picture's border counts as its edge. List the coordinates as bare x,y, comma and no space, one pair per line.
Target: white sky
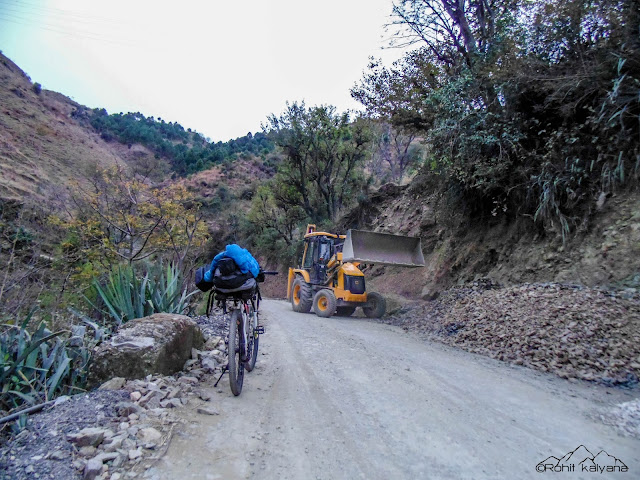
218,67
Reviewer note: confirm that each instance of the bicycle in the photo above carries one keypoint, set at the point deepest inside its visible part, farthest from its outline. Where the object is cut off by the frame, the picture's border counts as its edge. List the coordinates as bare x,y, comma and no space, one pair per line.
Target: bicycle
244,332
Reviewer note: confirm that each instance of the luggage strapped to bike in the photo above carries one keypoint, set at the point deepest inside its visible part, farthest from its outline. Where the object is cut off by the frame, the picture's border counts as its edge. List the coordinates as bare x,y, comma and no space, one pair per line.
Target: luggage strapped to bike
222,297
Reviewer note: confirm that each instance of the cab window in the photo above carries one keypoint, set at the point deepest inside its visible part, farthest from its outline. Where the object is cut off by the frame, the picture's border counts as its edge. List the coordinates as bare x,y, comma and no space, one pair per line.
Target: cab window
324,253
310,254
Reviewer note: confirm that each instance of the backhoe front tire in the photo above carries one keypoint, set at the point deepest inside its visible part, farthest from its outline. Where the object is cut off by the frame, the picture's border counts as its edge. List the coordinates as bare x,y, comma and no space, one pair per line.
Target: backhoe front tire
324,303
376,305
301,296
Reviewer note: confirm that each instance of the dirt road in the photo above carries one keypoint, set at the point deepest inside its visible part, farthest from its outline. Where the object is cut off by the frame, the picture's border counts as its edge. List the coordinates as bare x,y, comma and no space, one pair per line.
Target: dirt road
350,398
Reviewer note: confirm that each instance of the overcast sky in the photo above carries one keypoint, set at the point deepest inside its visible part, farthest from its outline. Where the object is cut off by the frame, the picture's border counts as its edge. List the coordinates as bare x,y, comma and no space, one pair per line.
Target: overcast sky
218,67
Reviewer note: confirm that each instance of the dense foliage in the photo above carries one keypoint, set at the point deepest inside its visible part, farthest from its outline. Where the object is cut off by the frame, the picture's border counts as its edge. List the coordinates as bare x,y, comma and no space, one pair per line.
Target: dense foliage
320,174
187,151
121,219
526,107
36,367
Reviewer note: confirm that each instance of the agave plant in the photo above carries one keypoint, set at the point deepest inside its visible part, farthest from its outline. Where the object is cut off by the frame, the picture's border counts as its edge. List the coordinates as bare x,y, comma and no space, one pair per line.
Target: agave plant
39,366
167,292
126,296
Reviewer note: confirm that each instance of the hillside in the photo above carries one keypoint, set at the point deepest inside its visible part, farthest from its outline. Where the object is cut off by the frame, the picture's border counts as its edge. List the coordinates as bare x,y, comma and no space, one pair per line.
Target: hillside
461,250
42,141
52,153
47,141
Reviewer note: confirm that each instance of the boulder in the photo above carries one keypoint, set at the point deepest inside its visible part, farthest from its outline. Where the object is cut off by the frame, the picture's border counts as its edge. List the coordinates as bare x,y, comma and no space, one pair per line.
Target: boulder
87,437
149,435
158,344
92,469
114,384
209,364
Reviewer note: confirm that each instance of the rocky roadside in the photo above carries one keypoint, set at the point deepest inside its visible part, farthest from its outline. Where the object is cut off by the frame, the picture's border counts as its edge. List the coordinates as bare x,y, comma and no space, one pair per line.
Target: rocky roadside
121,429
572,331
575,332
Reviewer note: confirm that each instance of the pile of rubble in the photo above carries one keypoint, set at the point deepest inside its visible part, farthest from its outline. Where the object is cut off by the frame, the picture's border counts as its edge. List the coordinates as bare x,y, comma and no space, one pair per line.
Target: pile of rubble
119,430
572,331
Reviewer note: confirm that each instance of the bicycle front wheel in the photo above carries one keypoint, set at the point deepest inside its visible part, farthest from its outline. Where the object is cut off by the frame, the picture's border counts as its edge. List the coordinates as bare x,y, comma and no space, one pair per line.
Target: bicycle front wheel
252,338
236,367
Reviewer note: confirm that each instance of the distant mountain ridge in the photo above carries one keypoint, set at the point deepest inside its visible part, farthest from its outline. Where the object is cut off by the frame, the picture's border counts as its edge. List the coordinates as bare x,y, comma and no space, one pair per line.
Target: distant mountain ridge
48,141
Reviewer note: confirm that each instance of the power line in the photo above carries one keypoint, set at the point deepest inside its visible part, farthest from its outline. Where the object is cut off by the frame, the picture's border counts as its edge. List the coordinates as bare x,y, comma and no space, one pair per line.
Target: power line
57,29
16,11
20,16
57,22
52,11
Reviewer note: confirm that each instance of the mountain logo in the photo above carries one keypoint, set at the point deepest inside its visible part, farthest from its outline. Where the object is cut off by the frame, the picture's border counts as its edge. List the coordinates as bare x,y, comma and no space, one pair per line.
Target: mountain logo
582,460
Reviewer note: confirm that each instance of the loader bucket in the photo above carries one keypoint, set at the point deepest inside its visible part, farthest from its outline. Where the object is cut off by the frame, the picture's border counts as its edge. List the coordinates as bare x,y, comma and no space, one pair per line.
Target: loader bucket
382,249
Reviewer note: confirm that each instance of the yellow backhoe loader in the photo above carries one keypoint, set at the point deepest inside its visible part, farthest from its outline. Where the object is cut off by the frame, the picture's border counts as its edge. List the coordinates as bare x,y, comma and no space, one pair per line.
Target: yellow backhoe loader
328,278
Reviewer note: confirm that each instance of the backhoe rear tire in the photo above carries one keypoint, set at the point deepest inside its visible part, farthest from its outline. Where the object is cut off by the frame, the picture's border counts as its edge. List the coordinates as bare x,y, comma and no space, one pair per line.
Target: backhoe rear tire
376,305
324,303
301,296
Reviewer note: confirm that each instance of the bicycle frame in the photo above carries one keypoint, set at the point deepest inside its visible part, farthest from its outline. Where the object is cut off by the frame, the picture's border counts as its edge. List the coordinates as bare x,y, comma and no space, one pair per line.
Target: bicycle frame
246,305
243,337
243,348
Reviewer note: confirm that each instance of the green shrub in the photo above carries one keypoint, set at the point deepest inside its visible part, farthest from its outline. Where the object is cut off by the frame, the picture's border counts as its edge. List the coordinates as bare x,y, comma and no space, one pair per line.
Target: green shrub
39,366
127,296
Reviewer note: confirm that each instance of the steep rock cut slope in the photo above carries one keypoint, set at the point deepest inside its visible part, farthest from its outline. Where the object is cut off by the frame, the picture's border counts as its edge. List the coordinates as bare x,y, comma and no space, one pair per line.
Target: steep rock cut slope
459,250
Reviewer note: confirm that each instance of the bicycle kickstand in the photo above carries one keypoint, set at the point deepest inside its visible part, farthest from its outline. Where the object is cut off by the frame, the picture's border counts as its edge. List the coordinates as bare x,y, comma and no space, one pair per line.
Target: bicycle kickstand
225,369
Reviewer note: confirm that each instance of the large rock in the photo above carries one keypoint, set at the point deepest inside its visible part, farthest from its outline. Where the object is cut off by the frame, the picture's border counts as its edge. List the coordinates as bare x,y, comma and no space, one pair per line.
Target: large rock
159,344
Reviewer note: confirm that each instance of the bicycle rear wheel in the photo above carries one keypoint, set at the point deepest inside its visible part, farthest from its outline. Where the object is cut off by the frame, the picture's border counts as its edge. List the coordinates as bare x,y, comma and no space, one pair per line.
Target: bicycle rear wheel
236,367
252,338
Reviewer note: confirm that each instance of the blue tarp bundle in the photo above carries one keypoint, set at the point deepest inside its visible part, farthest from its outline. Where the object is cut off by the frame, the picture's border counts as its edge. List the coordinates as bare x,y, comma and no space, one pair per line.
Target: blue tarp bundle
242,257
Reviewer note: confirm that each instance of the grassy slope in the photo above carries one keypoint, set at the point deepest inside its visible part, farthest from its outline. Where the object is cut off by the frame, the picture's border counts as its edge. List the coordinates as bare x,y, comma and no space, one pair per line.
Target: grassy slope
41,143
46,143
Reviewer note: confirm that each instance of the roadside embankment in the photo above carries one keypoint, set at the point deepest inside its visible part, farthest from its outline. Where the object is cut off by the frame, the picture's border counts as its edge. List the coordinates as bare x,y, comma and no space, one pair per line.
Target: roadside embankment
575,332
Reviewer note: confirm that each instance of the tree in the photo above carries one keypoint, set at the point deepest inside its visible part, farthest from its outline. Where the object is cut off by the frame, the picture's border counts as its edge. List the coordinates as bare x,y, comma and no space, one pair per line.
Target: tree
119,218
269,213
323,152
526,107
396,149
455,33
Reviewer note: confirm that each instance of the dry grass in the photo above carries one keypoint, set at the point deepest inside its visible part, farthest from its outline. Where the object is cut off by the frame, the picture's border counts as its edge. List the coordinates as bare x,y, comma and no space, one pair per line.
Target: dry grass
41,143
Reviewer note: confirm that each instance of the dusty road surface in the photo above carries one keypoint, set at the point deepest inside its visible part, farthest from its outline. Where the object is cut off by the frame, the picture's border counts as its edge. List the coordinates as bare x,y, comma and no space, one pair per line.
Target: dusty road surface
350,398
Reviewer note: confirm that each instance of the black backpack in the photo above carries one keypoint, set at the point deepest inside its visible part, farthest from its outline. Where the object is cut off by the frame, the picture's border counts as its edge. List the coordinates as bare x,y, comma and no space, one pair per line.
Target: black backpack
201,283
228,276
